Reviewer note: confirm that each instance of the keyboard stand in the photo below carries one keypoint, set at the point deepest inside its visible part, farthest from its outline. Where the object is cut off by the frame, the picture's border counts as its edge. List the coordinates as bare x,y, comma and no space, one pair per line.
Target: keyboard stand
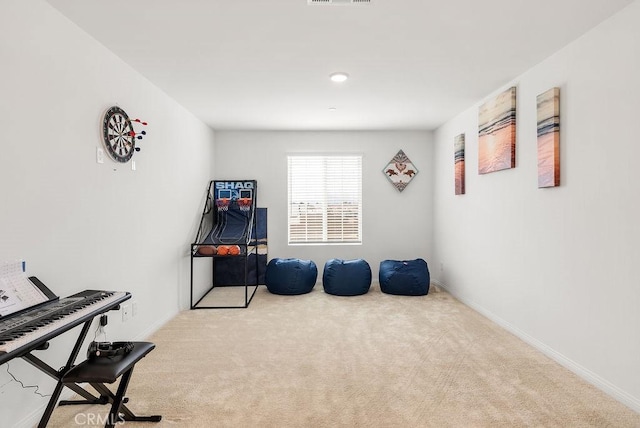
57,375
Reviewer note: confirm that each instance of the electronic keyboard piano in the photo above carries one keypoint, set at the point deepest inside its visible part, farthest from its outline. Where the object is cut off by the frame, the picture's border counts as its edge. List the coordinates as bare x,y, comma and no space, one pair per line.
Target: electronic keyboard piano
32,328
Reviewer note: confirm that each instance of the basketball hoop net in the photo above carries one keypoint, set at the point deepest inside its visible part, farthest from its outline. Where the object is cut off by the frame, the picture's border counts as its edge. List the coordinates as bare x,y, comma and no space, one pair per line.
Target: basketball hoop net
222,204
244,204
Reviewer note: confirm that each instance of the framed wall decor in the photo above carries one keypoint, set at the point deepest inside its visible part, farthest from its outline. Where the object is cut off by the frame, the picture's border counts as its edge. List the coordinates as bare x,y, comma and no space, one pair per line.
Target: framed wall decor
548,104
400,171
458,161
497,133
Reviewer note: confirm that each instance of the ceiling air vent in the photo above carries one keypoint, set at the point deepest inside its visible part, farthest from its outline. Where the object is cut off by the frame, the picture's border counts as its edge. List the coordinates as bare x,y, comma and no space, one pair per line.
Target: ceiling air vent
338,2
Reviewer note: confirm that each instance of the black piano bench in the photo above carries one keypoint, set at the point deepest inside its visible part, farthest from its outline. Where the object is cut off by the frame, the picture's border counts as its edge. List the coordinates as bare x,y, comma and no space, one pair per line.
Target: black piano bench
97,373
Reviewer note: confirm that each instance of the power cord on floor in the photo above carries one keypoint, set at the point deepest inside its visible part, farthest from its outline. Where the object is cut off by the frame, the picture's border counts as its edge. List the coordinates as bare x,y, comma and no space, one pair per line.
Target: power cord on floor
37,387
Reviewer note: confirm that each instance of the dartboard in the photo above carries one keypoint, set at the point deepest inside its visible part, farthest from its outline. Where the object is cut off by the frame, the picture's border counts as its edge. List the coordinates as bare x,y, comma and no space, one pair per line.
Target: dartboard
118,135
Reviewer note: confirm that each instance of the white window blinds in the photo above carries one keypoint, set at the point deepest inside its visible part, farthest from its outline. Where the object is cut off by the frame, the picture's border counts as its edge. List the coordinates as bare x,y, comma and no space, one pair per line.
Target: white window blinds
325,199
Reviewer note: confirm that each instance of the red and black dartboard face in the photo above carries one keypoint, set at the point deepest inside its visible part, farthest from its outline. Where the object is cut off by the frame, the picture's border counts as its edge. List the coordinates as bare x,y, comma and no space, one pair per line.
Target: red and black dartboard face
118,134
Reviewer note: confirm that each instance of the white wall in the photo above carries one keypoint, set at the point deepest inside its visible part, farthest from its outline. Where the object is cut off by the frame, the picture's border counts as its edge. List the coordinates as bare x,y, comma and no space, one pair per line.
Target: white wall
79,224
558,266
554,265
396,225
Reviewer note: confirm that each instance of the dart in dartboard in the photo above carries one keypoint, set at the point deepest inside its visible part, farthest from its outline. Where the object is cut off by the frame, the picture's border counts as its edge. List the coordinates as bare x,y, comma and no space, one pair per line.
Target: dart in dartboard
119,135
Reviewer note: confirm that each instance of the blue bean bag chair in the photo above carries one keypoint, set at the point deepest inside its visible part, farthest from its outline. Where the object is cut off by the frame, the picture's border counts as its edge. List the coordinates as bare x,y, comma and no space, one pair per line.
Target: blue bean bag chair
404,277
346,277
290,276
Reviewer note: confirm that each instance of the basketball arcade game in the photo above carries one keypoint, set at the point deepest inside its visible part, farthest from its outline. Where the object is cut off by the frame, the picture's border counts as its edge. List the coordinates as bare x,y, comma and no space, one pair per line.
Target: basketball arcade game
226,235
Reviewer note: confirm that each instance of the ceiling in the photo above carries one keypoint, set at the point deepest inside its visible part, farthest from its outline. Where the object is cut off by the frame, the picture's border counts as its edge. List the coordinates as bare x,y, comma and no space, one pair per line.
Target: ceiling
265,64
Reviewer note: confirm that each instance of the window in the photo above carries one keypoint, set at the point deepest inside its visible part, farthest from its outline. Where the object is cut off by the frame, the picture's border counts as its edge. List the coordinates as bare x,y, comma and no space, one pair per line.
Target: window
325,199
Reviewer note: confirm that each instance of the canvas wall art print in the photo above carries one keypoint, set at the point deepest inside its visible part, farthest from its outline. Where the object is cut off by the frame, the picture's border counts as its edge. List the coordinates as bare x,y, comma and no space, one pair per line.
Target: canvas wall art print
400,171
549,138
497,133
458,159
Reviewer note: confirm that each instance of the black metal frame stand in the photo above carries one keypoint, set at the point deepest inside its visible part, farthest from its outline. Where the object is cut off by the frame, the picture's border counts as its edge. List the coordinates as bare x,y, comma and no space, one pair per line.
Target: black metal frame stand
247,296
247,248
45,368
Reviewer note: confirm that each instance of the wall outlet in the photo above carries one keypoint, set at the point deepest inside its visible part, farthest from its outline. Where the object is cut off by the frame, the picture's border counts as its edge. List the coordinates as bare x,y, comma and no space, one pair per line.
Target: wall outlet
441,267
99,155
134,309
125,313
133,165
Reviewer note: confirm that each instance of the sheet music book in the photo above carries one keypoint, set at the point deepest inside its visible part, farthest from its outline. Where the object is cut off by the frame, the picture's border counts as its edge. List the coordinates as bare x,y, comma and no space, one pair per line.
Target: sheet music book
17,292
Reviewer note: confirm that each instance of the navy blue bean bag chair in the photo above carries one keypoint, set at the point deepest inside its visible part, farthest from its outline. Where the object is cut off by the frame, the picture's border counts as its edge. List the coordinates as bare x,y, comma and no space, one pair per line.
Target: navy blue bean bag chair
290,276
404,277
346,277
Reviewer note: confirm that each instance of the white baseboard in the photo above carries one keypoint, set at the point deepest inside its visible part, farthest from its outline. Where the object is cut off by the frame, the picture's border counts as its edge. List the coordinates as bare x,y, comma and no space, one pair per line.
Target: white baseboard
586,374
156,326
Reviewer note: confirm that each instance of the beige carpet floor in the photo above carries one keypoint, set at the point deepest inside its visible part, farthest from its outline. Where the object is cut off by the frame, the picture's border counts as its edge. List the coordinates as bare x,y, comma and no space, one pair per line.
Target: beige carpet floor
375,360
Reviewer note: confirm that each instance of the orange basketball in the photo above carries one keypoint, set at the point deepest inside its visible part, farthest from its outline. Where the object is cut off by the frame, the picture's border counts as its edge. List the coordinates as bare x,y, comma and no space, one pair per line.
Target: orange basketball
223,250
234,250
207,250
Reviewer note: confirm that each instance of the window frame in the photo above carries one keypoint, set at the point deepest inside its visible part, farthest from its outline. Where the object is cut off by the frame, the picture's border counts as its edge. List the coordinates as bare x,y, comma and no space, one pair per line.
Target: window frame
351,194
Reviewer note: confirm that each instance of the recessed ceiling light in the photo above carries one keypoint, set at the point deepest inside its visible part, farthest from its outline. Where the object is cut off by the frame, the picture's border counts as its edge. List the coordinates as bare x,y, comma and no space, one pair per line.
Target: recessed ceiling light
332,109
338,77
